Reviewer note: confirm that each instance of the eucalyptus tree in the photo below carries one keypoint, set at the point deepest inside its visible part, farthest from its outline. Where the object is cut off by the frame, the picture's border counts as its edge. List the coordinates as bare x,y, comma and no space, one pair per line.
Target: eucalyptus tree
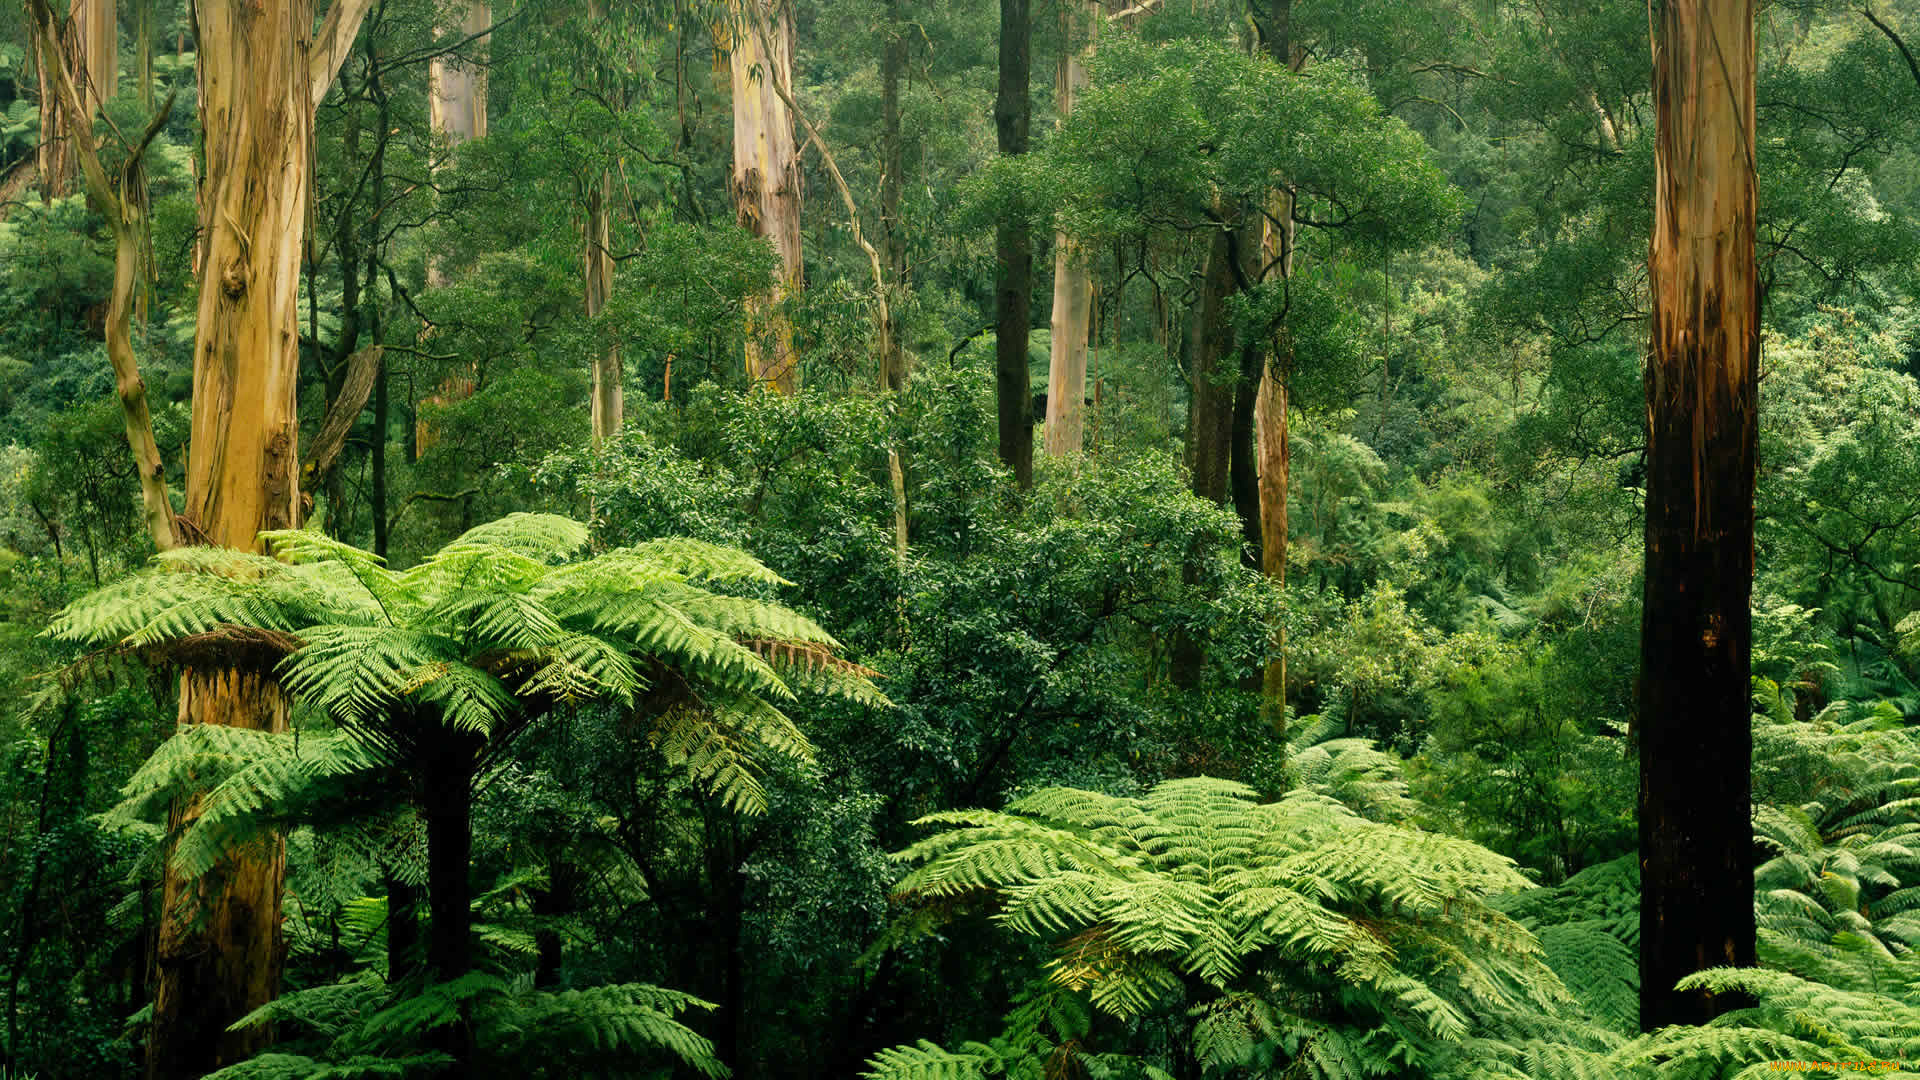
1188,140
1696,740
262,70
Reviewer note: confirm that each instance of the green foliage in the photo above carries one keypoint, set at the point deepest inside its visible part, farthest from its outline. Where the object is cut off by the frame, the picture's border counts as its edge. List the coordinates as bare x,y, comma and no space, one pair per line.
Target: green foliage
1270,907
490,629
366,1031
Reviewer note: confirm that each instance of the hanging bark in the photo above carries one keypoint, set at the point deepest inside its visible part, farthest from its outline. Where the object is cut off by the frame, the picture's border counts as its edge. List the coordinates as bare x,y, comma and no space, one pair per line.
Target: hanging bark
87,50
1695,741
766,177
1013,247
123,204
220,951
1072,277
608,405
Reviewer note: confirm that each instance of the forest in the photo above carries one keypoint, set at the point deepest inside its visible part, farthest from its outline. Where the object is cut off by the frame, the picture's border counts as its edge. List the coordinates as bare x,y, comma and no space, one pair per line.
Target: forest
1044,539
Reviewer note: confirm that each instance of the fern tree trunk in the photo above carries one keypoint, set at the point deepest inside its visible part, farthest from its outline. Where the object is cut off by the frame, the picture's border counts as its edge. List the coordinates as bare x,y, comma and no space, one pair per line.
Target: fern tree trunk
446,770
1013,291
766,177
219,950
1695,740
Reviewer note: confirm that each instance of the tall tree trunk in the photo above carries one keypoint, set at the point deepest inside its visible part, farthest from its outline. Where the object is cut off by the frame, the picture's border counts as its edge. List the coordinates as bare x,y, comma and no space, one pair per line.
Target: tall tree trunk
893,239
1072,277
1270,411
1695,739
446,803
1214,375
96,22
457,90
766,177
1013,292
259,85
608,405
219,951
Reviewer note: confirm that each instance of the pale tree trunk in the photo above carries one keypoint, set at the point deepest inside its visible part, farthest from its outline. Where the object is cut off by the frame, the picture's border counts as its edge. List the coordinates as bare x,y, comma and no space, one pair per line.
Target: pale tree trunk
1693,726
87,45
96,24
766,177
608,407
457,109
1072,277
259,85
457,91
124,209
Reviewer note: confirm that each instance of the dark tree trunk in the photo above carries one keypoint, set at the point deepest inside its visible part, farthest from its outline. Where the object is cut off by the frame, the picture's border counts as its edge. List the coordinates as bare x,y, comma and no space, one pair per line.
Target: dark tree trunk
446,801
1013,299
893,241
1695,738
1210,413
403,930
1244,466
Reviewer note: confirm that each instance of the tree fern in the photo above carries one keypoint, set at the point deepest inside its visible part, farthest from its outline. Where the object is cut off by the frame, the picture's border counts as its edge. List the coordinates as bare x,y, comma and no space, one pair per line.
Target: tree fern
358,1029
1298,901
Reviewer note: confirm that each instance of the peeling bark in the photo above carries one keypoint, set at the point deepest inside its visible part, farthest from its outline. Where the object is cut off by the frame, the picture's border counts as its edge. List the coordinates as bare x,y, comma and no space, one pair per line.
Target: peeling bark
608,405
1694,732
766,178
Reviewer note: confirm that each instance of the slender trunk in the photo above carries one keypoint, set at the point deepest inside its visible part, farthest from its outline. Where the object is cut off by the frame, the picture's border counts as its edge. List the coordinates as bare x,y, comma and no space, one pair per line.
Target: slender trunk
87,47
1695,740
766,177
1013,292
219,950
1243,470
378,463
1072,277
893,240
97,24
608,405
124,210
143,51
1270,411
1210,399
